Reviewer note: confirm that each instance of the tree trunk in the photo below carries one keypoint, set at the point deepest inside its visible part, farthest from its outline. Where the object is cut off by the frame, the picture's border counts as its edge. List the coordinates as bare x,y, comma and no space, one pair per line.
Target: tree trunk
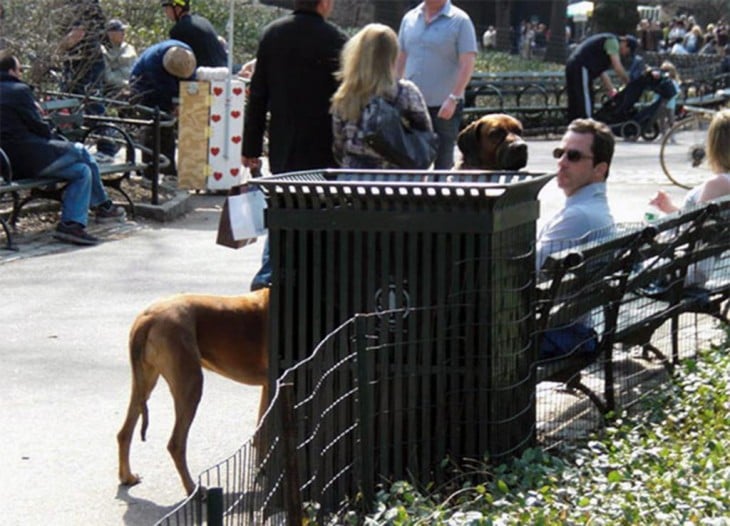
556,48
503,12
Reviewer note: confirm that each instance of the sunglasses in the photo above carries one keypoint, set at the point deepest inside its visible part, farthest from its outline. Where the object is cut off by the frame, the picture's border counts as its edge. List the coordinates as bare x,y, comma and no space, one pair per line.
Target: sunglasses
573,155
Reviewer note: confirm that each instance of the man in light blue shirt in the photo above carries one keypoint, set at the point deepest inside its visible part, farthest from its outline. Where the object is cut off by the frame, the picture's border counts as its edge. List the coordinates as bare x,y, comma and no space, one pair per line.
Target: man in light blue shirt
438,48
584,157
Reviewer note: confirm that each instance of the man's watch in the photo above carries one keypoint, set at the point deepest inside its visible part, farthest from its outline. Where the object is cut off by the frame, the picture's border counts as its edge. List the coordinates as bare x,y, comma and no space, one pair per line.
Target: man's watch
455,98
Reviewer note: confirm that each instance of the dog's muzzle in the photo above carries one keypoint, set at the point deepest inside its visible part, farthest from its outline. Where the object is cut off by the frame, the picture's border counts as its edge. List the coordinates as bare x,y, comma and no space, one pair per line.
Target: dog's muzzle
512,155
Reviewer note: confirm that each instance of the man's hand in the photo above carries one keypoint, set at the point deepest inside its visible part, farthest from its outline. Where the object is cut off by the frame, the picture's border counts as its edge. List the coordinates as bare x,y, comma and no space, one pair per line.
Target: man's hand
247,69
252,163
72,38
447,109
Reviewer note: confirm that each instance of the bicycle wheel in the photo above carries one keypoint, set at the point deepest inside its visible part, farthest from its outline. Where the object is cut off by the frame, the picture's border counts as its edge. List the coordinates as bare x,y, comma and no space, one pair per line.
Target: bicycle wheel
682,155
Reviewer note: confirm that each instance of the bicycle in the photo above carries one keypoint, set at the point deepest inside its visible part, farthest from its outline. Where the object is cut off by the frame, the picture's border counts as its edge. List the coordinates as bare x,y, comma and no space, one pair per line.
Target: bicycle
682,155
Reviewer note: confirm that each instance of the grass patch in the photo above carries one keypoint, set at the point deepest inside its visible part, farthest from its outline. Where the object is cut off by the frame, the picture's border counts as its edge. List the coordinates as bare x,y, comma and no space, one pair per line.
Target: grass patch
498,62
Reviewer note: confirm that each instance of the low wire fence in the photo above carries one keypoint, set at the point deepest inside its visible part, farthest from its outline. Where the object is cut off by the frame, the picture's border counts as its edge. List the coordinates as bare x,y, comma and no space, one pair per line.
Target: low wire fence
323,454
425,393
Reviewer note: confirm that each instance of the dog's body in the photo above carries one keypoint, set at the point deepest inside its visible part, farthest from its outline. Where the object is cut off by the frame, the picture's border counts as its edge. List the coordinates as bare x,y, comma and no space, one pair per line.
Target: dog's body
493,142
176,338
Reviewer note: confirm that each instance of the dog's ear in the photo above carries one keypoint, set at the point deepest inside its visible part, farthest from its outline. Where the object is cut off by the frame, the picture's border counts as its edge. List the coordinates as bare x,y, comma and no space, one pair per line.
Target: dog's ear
468,140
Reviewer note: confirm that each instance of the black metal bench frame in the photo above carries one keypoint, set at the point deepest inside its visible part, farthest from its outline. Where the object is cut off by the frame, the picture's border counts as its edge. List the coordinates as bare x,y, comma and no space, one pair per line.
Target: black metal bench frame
538,98
23,191
637,279
583,282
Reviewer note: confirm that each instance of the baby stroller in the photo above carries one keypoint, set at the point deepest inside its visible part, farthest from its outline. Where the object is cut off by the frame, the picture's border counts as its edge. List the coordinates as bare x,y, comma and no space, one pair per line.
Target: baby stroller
630,120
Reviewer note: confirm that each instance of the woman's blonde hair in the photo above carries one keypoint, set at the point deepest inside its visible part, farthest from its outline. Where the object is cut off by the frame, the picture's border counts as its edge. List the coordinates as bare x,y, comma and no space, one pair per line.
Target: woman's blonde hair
718,142
671,70
367,68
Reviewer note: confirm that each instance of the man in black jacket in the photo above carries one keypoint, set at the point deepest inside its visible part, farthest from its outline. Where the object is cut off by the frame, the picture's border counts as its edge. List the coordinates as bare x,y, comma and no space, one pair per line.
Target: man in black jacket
294,81
26,139
197,32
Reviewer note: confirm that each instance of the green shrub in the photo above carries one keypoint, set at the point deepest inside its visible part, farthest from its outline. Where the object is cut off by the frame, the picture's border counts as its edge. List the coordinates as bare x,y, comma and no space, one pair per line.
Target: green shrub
497,61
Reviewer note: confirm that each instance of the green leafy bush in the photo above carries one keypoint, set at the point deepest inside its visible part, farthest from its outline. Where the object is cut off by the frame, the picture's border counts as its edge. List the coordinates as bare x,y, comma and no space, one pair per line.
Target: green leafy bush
497,61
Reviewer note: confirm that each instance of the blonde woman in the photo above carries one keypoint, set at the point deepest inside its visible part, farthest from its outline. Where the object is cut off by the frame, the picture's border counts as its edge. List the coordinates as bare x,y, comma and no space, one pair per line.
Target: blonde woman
665,117
718,158
368,70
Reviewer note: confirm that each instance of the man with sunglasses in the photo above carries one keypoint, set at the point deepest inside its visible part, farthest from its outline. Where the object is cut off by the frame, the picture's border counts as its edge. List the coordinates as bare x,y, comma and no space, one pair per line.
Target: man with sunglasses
584,157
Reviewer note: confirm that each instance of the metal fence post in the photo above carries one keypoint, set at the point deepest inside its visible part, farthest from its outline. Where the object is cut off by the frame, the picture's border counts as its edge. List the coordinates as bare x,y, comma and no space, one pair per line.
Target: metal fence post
214,505
364,375
156,159
292,496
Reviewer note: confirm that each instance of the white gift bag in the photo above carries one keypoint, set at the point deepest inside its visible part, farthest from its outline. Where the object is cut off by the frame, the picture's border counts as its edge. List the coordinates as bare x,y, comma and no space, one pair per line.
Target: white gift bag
242,218
247,213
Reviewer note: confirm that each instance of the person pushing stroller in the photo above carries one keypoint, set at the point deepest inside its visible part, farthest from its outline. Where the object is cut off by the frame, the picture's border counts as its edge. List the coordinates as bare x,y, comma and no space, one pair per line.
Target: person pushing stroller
590,60
624,113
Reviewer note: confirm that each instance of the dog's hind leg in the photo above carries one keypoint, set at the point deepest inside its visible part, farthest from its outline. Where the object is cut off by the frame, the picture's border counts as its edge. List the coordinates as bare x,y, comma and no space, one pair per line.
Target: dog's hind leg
186,385
144,379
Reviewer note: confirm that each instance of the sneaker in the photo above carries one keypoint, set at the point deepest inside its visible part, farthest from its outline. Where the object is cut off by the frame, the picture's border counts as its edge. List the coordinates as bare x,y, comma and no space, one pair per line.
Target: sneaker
74,233
110,213
103,158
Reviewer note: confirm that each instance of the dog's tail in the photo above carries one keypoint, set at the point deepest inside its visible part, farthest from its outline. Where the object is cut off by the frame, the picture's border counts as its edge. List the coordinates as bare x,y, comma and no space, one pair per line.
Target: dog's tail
140,391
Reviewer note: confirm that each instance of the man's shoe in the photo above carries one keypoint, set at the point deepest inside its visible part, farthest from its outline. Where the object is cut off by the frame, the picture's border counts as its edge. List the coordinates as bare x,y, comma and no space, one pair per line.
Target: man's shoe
110,213
103,158
74,233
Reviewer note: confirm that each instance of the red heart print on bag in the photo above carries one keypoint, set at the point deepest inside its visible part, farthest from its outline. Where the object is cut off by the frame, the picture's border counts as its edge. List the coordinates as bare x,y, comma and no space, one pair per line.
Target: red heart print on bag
234,172
217,91
236,139
237,91
214,150
215,117
235,114
217,176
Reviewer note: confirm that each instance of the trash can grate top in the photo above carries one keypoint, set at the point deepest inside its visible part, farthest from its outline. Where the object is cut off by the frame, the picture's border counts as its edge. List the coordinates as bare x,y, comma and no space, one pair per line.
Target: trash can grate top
442,184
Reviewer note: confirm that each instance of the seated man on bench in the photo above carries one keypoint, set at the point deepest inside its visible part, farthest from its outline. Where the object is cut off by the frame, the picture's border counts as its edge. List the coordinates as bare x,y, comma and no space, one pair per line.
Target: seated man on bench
26,138
584,157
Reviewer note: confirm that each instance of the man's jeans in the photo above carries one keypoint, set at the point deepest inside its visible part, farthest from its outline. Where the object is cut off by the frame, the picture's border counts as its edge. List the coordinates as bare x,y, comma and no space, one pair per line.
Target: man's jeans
447,131
84,188
263,276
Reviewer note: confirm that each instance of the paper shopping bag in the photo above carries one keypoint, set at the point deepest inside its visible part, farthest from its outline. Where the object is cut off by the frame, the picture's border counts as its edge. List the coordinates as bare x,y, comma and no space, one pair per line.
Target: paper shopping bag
242,218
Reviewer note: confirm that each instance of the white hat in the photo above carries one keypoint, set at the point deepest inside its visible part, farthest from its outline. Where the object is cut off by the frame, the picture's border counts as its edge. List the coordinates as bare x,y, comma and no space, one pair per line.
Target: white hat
179,62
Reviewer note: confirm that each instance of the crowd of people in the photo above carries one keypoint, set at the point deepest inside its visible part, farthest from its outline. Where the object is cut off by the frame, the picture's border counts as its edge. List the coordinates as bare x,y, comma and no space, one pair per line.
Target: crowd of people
683,35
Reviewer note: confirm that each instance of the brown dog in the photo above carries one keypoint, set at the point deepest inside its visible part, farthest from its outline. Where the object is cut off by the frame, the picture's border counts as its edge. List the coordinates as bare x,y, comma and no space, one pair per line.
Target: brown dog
178,336
493,142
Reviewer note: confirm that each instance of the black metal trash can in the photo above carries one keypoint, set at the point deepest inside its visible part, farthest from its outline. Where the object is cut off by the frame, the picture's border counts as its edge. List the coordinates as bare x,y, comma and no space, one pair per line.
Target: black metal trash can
447,373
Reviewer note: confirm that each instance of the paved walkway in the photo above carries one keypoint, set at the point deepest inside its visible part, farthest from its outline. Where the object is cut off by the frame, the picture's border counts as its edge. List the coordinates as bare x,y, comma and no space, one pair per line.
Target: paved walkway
66,315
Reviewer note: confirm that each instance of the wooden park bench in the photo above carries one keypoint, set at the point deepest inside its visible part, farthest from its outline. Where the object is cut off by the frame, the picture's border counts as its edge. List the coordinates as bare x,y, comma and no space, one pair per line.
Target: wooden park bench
115,132
583,286
628,285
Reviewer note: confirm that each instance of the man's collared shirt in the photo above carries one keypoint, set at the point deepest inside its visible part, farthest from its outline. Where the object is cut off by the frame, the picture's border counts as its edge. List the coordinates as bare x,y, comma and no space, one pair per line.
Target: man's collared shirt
433,49
585,217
